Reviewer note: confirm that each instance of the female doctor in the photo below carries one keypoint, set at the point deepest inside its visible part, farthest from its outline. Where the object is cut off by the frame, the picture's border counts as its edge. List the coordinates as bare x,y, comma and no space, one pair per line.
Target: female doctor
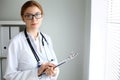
30,53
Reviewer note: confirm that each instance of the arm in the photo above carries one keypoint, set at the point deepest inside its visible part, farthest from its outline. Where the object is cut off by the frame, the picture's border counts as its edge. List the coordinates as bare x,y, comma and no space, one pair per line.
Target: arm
12,72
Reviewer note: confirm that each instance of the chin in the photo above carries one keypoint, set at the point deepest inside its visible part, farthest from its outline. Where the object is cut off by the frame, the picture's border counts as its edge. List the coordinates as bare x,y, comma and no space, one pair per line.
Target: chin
35,26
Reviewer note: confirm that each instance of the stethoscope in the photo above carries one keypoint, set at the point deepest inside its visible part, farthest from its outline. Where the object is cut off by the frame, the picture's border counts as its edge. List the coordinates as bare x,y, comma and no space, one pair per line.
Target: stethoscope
32,49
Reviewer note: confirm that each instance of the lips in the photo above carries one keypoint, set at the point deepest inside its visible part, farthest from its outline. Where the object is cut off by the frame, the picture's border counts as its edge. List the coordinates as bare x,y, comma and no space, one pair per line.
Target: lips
34,24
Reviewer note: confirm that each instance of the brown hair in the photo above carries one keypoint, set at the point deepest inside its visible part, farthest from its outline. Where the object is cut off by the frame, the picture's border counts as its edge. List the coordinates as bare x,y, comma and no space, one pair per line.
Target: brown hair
30,3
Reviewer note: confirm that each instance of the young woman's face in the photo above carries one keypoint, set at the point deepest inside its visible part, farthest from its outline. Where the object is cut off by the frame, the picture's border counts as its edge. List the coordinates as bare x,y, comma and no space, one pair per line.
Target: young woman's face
32,17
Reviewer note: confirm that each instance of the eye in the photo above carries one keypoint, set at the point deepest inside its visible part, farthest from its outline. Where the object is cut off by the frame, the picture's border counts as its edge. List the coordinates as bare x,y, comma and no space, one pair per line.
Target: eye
38,15
28,16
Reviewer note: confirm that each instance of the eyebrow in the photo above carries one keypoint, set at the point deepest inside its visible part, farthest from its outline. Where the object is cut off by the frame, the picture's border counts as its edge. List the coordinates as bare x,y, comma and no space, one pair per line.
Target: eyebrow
32,13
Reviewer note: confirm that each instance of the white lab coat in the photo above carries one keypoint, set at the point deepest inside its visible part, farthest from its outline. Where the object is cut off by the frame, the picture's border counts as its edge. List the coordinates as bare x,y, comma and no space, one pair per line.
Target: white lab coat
21,63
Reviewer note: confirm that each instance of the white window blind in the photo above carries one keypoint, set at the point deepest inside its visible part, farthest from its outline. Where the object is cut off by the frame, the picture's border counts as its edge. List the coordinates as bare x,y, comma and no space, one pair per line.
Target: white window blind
113,41
114,11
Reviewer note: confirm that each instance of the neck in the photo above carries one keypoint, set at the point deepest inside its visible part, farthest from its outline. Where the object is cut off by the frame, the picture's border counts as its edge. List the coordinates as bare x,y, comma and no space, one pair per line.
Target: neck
33,32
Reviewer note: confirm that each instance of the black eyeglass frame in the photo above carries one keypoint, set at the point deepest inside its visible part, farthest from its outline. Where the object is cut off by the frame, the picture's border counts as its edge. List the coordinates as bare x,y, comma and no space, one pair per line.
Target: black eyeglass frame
30,16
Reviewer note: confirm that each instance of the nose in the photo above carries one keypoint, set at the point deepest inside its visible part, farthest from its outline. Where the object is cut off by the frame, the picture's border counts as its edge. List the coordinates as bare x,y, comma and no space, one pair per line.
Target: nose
33,18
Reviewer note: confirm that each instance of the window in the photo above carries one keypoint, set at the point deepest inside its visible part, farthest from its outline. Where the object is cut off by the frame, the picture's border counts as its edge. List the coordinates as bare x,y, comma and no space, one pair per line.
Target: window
113,41
105,40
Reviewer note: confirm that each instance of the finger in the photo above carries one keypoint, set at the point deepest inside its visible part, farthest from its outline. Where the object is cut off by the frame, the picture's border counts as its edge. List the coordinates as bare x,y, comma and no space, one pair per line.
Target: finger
55,72
55,69
49,71
51,64
52,70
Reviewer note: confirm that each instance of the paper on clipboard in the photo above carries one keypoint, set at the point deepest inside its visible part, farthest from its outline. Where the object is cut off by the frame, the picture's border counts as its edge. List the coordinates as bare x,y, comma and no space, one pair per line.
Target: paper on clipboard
70,57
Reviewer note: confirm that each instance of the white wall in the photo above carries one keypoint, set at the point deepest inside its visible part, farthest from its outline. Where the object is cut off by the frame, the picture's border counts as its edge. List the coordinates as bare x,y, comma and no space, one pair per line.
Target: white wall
67,22
64,22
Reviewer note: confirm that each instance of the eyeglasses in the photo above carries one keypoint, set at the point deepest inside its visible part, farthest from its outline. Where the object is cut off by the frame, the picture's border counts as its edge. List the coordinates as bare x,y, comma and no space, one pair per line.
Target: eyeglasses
30,16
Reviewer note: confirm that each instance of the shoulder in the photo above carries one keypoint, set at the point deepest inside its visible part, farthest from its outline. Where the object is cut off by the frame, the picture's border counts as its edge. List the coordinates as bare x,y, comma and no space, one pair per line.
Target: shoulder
18,36
17,39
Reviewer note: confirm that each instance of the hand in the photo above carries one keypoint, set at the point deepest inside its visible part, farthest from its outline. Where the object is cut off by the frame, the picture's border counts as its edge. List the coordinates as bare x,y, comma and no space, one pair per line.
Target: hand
51,71
44,66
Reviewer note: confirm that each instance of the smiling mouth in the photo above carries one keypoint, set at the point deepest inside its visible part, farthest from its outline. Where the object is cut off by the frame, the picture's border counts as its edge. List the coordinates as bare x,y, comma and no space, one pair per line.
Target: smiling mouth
34,24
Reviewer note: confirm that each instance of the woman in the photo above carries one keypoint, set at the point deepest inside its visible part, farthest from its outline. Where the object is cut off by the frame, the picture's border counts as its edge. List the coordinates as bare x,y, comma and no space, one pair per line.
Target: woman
30,53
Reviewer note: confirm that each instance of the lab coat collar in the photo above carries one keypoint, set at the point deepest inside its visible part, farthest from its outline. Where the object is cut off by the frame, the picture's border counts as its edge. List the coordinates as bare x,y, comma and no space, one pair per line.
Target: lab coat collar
32,37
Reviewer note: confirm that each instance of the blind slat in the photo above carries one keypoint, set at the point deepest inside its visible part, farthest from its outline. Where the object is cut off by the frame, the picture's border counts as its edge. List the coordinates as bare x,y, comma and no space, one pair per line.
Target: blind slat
113,41
114,11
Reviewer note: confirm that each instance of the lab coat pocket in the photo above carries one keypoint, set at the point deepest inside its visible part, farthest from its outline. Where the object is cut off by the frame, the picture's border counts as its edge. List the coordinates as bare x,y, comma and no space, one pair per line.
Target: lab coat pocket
27,60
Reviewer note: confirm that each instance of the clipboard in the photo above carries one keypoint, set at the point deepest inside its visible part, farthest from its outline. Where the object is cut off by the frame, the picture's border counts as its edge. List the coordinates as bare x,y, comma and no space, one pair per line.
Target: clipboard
69,58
